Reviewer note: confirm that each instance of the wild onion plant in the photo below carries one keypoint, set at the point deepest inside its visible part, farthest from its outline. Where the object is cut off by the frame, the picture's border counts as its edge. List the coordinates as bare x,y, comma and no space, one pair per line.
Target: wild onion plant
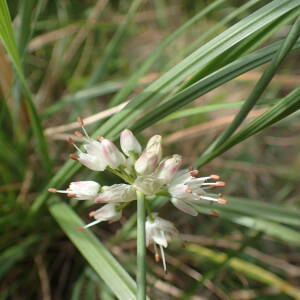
146,173
61,59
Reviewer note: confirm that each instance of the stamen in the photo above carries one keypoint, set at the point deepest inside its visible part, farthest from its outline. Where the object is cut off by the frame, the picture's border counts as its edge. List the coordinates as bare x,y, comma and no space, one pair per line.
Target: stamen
52,190
70,140
78,134
157,257
214,213
81,123
222,201
92,223
194,173
92,214
163,258
73,156
209,198
71,195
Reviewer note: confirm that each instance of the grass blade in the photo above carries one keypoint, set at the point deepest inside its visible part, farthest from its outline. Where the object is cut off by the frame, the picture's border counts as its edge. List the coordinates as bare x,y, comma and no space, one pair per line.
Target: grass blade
8,39
105,265
260,87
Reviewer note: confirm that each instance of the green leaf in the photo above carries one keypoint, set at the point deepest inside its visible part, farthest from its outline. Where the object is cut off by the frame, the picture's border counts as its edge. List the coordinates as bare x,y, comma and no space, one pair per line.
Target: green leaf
256,223
279,111
8,40
238,265
100,259
196,61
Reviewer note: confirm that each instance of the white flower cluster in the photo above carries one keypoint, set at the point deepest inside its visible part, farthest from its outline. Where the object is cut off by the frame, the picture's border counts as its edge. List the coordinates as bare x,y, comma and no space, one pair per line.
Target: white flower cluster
144,171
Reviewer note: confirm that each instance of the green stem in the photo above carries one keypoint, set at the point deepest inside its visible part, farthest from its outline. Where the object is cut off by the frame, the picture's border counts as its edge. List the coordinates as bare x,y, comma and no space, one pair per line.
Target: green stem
141,248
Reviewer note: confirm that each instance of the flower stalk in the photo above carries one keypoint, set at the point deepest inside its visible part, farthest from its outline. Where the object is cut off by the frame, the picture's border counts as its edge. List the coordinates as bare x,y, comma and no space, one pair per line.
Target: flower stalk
141,247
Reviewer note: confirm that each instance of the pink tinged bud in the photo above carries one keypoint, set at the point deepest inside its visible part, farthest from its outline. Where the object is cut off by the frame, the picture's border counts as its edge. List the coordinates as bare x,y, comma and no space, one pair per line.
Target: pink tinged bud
111,154
154,145
108,212
146,163
117,193
148,184
168,168
129,143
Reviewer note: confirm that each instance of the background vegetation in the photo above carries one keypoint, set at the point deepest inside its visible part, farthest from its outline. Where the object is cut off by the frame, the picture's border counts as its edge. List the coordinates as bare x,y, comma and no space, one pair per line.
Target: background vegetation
192,71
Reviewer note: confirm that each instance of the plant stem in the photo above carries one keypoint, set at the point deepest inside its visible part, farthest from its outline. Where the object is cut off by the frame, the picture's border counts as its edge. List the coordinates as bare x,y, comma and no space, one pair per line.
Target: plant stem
141,248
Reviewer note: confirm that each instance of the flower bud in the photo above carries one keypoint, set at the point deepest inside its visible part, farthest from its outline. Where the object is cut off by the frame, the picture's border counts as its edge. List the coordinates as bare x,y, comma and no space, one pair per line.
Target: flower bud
168,168
111,154
154,145
129,143
117,193
146,163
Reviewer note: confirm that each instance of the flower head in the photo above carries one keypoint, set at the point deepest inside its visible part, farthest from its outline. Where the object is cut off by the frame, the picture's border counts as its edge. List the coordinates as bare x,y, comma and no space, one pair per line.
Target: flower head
159,232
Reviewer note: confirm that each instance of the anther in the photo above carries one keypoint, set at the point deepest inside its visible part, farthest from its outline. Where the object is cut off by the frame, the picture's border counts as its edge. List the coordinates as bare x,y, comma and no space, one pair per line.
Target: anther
222,201
70,140
220,183
80,121
214,213
73,156
194,173
101,138
80,228
157,257
52,190
92,214
214,177
71,195
189,191
78,134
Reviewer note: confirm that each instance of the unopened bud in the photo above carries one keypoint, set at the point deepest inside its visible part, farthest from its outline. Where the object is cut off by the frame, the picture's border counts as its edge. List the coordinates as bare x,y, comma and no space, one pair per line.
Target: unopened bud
168,168
129,143
111,154
146,163
154,145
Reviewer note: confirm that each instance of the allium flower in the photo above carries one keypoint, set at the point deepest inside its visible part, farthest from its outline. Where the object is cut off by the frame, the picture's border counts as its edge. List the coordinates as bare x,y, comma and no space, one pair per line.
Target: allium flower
117,193
129,143
108,212
159,232
144,171
187,188
80,190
